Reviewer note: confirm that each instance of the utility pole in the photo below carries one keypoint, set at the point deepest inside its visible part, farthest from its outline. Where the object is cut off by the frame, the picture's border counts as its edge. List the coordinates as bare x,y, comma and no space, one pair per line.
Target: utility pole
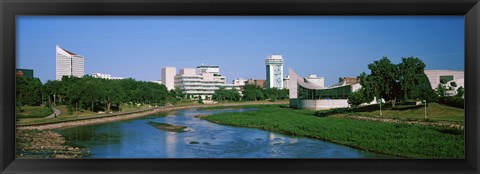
380,106
425,101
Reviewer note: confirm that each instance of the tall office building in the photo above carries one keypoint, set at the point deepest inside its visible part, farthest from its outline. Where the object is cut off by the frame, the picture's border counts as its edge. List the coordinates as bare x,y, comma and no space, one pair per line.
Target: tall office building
168,77
274,67
68,64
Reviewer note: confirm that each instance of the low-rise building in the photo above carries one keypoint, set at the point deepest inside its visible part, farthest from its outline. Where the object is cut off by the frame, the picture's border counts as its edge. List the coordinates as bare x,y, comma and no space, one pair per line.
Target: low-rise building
24,73
259,83
305,94
451,80
106,76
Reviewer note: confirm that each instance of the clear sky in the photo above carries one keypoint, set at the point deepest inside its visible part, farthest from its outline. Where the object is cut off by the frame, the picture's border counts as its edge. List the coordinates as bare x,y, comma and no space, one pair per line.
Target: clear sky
329,46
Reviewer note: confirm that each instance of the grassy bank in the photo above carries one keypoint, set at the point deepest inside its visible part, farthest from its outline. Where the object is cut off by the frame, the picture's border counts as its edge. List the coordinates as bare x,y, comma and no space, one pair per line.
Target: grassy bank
34,112
399,139
435,112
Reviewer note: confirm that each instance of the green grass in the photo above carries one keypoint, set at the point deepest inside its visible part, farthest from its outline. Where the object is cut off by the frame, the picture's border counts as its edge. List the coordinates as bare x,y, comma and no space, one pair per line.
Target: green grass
398,139
435,112
34,112
81,114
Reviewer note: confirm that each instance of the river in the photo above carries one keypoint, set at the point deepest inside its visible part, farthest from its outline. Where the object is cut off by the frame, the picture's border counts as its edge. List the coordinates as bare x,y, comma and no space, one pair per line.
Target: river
137,139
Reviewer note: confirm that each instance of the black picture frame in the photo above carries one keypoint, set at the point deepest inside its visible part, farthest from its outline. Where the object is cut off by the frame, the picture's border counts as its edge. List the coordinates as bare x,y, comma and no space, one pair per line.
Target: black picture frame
11,8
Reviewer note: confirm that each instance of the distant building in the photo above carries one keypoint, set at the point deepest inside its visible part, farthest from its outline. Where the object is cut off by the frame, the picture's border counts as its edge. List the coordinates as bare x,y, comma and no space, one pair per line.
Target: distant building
259,83
286,81
342,81
239,81
201,85
168,77
106,76
68,64
312,78
157,81
305,94
24,73
274,69
208,69
452,80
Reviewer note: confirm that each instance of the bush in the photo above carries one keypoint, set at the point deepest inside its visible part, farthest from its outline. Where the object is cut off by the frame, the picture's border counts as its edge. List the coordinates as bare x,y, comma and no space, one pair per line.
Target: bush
34,112
452,101
70,109
331,112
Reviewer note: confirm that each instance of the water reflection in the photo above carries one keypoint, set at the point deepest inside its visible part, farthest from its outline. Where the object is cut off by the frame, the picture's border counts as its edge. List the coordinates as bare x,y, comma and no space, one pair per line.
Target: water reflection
138,139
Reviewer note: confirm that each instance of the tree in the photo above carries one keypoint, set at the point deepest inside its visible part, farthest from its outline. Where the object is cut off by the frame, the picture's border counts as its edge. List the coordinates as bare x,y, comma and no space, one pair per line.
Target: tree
250,92
29,91
453,84
441,90
384,79
368,91
460,92
411,77
356,98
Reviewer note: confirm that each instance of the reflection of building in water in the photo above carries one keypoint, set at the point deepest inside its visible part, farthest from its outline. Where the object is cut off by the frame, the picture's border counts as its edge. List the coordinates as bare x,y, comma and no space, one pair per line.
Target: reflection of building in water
271,136
170,144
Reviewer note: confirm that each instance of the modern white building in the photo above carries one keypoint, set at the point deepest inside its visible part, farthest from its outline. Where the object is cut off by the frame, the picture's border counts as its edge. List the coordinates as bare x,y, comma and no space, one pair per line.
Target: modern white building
168,77
305,94
106,76
436,76
198,85
68,64
274,66
452,80
312,78
239,81
286,81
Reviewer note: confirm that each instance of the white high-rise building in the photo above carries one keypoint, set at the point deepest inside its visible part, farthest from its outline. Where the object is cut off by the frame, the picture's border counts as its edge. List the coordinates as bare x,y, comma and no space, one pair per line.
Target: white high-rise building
68,64
168,77
274,66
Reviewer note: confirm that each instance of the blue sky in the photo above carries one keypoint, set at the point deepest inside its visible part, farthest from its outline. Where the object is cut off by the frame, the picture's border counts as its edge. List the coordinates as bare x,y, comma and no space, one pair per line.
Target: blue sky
329,46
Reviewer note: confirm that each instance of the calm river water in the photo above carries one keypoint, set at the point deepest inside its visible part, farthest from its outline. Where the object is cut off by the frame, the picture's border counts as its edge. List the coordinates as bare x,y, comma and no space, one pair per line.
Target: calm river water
138,139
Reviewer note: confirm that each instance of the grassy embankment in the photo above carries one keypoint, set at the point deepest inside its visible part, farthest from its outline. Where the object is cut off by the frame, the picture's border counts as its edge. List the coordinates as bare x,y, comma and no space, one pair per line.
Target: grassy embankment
398,139
34,112
66,115
435,112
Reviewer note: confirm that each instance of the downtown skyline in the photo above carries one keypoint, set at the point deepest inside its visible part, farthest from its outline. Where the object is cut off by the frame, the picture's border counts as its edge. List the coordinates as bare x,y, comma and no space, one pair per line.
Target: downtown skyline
328,46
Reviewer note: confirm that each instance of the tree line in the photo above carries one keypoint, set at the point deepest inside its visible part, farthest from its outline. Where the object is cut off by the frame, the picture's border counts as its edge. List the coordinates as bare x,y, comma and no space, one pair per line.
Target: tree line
94,94
395,83
250,93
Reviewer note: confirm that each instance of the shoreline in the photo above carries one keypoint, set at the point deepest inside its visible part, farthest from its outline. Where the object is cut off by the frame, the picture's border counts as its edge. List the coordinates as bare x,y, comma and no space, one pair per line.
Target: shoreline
45,144
120,117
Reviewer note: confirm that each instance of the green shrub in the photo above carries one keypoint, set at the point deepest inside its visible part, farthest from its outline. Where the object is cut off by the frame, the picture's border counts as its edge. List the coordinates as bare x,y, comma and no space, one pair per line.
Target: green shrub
457,102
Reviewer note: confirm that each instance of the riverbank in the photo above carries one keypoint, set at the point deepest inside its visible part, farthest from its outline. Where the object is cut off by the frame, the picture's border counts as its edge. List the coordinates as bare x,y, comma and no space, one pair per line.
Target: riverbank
391,138
128,115
44,144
